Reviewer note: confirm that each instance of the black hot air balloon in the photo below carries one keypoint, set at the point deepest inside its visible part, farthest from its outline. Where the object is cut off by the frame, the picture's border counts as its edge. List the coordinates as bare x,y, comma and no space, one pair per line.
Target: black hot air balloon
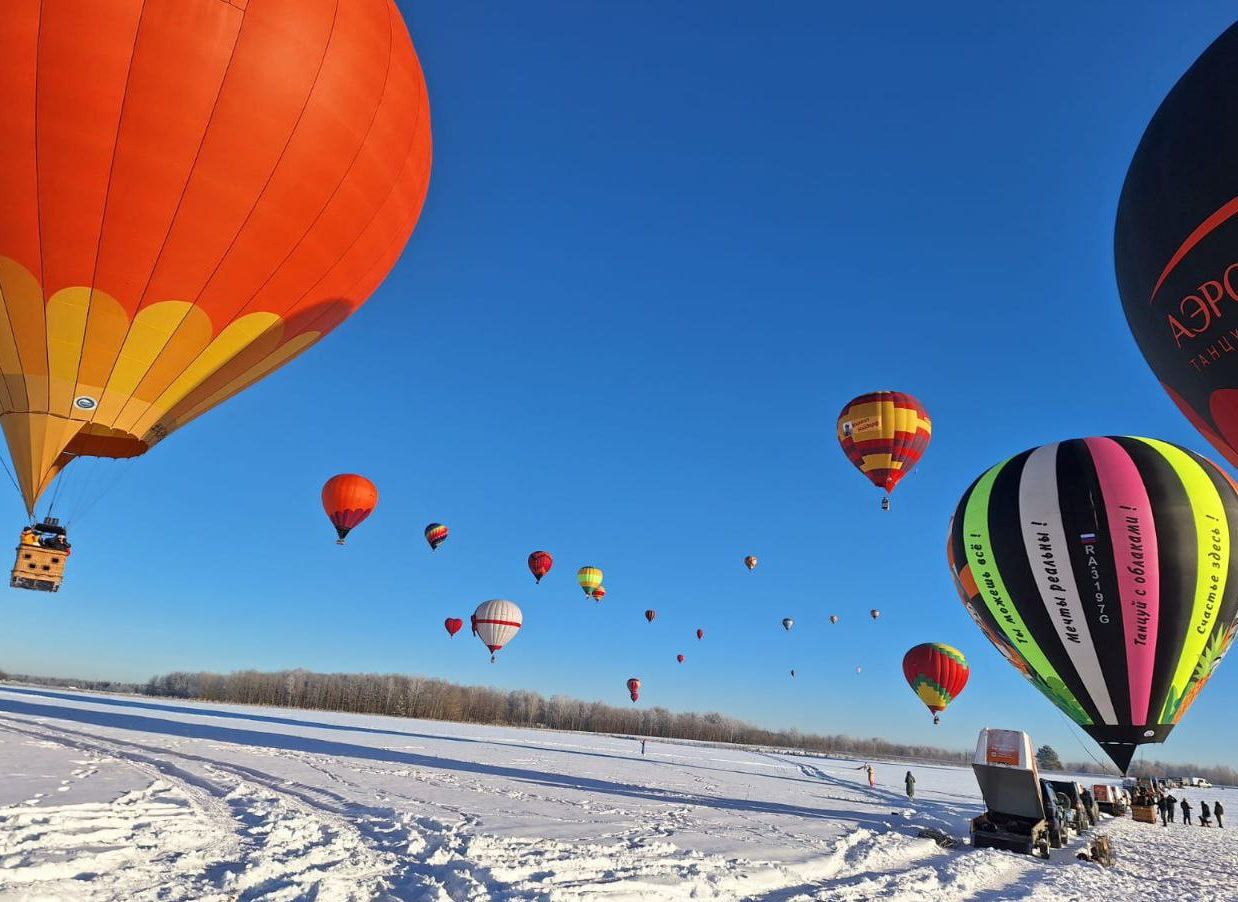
1105,570
1176,244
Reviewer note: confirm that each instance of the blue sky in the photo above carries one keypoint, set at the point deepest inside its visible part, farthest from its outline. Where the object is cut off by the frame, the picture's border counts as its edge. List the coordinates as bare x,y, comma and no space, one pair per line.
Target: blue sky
660,250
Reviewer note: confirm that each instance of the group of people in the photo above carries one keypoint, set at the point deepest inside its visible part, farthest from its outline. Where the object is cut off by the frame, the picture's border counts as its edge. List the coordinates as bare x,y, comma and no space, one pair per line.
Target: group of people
1166,803
52,541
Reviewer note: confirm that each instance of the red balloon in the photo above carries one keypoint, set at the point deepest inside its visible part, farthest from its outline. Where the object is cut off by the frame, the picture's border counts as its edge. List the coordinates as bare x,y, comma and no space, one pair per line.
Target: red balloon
348,499
679,658
540,563
453,625
649,615
700,634
634,688
599,593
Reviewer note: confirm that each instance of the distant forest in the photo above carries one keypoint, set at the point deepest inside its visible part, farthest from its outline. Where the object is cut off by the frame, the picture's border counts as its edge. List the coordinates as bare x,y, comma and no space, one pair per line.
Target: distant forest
429,698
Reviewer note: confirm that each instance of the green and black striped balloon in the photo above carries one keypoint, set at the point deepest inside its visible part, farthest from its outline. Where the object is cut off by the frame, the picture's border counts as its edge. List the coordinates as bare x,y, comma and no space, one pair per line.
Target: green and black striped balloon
1105,570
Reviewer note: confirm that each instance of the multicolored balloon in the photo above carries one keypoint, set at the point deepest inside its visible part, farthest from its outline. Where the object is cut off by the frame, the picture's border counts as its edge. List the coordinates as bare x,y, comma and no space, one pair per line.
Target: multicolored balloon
1174,244
599,593
750,562
224,188
453,625
936,673
649,615
874,613
496,623
634,688
589,578
436,535
1101,569
884,434
540,563
348,499
787,623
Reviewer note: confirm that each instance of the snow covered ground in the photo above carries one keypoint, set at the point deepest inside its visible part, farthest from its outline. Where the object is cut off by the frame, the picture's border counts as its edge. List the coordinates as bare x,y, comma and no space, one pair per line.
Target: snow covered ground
117,798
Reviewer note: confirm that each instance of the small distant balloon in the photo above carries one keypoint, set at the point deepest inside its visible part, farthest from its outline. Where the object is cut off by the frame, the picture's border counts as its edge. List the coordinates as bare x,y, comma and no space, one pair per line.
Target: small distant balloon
348,499
589,578
787,623
599,593
540,563
436,535
496,623
634,688
679,658
453,625
833,618
700,634
750,562
793,674
649,615
874,613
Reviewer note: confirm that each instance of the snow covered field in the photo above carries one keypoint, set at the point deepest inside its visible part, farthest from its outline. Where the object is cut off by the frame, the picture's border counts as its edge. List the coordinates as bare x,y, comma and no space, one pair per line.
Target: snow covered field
108,797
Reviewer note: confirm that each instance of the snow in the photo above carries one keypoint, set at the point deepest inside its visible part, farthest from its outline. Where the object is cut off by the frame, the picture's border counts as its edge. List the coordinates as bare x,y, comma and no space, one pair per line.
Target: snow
118,798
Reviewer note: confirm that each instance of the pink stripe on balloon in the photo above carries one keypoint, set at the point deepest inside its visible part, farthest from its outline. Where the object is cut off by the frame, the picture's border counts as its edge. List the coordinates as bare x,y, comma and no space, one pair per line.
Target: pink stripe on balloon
1126,507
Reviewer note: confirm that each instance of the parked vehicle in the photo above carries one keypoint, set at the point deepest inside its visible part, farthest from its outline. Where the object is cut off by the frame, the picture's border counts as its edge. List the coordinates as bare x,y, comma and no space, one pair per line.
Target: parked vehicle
1074,799
1058,817
1014,818
1198,782
1110,799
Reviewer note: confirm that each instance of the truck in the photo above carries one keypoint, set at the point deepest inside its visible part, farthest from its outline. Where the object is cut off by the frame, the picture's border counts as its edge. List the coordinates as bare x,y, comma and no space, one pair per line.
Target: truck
1198,782
1014,817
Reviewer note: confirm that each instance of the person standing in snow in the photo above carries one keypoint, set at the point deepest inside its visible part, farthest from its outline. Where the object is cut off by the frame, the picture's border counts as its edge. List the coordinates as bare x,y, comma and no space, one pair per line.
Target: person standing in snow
1163,804
872,777
911,785
1173,802
1205,814
1186,812
1219,810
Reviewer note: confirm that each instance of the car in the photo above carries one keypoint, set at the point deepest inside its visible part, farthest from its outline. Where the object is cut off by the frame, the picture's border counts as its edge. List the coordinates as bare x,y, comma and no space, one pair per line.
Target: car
1057,816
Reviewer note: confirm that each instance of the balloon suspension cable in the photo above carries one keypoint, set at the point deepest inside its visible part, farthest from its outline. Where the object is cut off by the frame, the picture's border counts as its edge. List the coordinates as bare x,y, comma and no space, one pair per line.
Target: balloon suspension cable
1075,733
120,469
61,479
13,479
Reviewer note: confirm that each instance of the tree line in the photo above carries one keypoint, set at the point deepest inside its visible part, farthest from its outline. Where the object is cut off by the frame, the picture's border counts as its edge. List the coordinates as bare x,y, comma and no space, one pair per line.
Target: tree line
430,698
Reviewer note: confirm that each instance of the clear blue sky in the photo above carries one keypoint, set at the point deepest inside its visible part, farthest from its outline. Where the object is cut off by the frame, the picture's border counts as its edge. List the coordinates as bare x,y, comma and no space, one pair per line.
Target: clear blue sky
661,249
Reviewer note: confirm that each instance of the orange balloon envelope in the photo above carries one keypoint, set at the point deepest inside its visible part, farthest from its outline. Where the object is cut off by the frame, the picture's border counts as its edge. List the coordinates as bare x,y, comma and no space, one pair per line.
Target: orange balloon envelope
348,499
193,193
884,433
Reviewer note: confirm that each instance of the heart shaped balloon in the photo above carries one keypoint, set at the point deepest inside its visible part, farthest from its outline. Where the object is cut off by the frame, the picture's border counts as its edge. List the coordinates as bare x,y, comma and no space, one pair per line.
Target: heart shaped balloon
453,625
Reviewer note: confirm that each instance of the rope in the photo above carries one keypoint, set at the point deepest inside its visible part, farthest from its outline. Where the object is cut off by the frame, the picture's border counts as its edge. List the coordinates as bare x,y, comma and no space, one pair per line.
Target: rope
1075,732
12,478
121,470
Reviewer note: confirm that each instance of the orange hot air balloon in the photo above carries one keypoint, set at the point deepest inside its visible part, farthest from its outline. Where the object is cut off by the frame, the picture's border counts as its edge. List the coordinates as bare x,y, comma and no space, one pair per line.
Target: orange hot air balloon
348,499
193,194
540,563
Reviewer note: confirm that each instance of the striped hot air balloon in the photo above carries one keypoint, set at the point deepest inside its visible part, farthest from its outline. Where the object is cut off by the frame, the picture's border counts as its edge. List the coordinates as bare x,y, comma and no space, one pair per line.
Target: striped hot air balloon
436,535
936,673
192,194
634,688
884,434
496,623
348,499
599,593
1100,568
589,578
